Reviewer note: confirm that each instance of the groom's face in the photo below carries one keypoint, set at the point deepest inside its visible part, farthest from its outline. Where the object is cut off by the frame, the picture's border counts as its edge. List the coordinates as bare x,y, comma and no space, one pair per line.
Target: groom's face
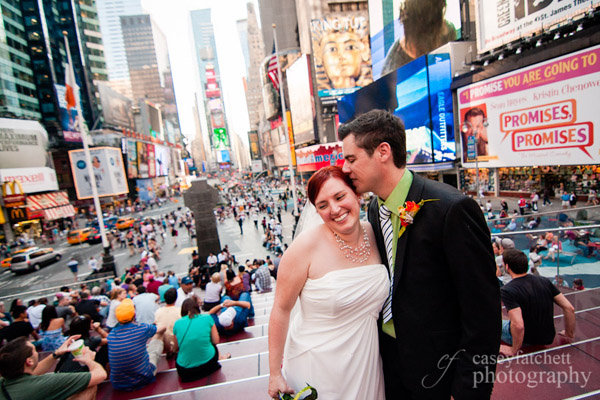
361,166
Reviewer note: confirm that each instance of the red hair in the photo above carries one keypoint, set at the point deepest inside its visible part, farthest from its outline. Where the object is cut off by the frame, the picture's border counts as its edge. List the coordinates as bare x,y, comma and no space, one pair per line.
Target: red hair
315,183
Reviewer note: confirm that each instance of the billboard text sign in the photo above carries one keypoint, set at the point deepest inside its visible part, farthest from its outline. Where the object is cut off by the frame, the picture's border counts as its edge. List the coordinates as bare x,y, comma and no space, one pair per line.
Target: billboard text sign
544,114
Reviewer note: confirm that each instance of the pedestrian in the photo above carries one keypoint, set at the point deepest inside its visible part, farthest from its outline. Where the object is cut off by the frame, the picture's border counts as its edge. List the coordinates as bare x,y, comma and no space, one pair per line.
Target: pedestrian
93,264
73,266
535,197
546,197
240,220
174,234
573,199
522,205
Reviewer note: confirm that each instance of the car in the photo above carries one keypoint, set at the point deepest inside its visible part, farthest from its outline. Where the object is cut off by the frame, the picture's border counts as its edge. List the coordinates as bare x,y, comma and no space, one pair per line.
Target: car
94,237
33,260
7,260
78,236
125,223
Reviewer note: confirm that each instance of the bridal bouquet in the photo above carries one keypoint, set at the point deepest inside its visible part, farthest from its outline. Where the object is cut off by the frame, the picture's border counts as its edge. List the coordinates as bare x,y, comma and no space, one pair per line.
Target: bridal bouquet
312,396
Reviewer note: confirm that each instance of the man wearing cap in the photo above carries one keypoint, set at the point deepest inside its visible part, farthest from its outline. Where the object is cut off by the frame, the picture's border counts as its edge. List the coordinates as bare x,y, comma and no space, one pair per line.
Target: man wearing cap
185,290
232,316
25,376
132,358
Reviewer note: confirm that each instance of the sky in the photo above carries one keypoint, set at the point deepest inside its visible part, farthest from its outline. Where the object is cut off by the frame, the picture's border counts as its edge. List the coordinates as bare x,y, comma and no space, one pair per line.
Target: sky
174,20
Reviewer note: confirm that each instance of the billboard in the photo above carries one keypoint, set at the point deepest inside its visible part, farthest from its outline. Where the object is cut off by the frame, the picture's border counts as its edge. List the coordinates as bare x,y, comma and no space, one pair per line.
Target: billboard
107,166
151,160
156,130
341,51
23,144
223,156
302,104
511,20
145,189
142,160
403,30
220,138
68,117
418,93
33,180
132,162
162,157
315,157
116,108
254,146
544,114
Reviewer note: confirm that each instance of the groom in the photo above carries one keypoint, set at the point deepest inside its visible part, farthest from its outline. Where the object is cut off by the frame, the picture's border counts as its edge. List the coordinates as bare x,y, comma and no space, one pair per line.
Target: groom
440,327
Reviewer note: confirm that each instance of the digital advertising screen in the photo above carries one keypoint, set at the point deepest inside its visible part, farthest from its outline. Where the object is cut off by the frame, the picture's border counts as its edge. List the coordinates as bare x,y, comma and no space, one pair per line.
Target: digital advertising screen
403,30
418,93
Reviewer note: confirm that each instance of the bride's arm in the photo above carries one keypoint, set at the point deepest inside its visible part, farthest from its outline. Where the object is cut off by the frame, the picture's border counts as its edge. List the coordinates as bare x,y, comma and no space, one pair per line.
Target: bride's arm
291,276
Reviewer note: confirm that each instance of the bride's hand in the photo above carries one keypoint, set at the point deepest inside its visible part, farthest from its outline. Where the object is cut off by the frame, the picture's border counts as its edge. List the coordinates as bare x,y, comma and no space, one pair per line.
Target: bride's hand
278,384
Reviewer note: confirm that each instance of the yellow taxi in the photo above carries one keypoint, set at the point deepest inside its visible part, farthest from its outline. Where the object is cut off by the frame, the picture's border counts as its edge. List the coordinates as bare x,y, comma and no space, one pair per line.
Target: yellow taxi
77,236
125,223
7,260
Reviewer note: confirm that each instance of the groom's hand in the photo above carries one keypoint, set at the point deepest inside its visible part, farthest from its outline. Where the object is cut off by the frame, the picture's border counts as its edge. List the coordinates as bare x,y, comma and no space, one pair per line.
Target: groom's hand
277,384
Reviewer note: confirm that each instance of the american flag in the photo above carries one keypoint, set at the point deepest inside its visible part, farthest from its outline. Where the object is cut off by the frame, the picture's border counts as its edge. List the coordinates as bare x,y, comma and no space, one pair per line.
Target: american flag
272,71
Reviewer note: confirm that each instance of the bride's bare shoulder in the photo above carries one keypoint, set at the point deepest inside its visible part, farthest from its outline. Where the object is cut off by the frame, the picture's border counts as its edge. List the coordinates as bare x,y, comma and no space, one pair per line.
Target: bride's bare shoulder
308,239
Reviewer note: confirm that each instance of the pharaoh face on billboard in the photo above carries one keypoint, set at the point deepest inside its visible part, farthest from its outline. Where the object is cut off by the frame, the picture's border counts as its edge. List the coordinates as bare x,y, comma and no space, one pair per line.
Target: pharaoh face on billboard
342,54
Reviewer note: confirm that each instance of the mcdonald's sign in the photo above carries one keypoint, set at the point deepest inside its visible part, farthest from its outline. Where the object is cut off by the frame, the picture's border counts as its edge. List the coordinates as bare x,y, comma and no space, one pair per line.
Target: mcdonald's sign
16,214
13,199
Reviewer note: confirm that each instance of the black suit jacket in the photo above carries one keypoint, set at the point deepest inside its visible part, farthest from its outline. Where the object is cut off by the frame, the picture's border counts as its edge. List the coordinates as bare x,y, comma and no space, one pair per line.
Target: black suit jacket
446,297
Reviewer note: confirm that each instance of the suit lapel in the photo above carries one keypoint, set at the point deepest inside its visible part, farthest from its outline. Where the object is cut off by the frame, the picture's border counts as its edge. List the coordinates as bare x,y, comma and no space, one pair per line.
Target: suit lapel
414,194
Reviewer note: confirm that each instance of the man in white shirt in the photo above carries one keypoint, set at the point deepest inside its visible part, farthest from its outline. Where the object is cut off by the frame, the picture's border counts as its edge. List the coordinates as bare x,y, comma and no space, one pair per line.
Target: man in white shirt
211,260
93,264
185,290
146,305
34,313
222,258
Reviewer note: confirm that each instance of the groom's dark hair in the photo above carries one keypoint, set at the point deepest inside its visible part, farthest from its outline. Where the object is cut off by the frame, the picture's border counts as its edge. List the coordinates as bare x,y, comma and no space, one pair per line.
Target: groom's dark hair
375,127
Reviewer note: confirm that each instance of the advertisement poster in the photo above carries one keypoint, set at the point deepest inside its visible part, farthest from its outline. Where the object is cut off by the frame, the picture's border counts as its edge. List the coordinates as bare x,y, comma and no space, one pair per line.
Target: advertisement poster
151,160
302,105
142,160
418,93
116,108
68,118
312,158
163,160
254,147
341,52
510,20
132,162
404,30
544,114
23,144
108,169
145,189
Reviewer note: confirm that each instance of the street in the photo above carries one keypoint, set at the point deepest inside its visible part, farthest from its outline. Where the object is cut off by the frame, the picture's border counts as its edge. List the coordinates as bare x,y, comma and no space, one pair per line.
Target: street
177,259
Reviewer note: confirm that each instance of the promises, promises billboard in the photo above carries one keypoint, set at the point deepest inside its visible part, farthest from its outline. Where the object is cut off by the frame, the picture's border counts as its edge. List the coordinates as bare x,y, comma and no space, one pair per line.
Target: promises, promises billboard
544,114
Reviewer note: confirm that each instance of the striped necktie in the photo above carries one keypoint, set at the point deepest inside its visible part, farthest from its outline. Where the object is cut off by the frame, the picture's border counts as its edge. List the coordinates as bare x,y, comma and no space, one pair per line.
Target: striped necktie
388,237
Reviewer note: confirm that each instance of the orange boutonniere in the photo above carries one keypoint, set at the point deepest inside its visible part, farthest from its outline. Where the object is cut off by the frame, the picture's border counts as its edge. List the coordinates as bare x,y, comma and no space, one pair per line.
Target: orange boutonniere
408,212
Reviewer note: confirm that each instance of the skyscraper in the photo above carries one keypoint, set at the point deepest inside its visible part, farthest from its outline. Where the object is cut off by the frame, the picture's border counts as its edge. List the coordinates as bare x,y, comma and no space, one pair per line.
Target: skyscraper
109,13
45,23
256,50
147,57
17,84
208,64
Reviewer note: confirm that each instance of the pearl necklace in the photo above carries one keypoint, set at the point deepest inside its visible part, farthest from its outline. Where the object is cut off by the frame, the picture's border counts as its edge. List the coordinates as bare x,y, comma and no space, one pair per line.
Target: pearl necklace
355,254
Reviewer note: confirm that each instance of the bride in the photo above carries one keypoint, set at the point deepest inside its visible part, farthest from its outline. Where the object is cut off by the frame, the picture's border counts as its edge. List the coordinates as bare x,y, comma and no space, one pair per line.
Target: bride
335,273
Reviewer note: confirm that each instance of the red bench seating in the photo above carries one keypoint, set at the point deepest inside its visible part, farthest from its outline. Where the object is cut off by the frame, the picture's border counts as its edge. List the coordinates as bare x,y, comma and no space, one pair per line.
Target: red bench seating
246,374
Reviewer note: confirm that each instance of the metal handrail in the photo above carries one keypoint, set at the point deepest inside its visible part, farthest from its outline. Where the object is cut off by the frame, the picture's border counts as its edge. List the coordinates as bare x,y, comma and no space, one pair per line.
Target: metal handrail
540,214
53,289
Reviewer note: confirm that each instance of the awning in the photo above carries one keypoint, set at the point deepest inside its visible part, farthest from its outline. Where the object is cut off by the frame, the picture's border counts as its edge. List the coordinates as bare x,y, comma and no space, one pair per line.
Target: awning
50,214
50,206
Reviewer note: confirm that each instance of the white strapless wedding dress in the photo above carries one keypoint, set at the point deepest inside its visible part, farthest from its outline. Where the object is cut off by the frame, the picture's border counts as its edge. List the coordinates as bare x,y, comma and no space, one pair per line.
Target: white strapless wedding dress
332,342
